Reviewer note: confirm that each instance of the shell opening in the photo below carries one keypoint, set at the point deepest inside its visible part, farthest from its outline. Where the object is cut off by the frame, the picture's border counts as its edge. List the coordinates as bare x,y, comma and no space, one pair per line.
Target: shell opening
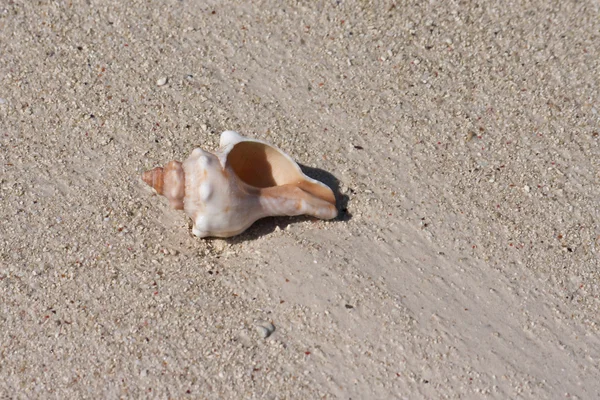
260,165
263,166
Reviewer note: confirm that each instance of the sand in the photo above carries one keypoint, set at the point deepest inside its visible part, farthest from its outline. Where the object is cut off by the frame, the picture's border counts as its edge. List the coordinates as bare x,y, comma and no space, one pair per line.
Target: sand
461,139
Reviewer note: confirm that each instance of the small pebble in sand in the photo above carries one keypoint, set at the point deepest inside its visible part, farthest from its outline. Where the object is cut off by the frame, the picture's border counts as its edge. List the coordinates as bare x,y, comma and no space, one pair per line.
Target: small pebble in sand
264,328
162,81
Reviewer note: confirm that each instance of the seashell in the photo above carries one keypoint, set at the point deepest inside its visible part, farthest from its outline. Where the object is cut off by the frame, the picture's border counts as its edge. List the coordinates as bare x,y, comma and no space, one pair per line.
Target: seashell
246,180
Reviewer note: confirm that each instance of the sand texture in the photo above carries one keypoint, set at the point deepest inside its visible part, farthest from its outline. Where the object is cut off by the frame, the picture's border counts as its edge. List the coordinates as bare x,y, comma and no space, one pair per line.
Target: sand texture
461,140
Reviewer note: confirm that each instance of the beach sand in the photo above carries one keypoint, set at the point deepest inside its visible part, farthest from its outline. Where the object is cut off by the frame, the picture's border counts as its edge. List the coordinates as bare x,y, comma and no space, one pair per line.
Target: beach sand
461,139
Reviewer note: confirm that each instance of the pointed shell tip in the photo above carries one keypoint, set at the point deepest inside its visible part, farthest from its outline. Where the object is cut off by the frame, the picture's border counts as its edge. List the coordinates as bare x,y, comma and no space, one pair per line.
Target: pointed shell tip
154,178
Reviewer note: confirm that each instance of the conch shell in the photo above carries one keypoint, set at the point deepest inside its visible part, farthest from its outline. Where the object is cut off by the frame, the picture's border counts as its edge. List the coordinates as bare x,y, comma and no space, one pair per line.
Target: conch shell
246,180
